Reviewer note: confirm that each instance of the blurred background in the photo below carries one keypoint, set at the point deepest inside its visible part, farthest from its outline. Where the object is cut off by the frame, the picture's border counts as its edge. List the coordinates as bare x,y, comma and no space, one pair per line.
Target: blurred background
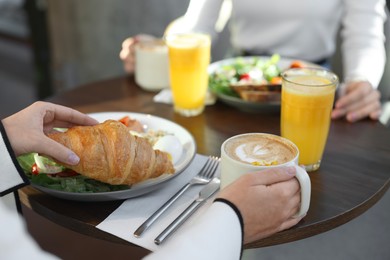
50,46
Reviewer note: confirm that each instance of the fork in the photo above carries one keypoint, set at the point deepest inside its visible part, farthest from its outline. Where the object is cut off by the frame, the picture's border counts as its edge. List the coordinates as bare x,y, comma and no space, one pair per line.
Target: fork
203,177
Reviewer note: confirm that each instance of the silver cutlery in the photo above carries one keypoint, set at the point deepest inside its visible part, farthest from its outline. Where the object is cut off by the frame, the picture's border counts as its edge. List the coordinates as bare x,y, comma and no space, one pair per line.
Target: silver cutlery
204,194
203,177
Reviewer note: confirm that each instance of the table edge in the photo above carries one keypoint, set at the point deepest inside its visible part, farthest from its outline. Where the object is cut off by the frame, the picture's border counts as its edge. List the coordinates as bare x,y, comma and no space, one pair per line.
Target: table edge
299,233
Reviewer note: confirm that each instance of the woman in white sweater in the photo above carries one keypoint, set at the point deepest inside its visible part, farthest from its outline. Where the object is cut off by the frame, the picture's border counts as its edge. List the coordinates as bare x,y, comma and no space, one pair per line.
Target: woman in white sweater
255,206
306,30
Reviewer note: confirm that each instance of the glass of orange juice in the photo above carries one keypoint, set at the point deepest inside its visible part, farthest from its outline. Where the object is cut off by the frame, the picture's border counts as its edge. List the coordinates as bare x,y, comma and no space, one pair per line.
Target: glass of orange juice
189,57
307,102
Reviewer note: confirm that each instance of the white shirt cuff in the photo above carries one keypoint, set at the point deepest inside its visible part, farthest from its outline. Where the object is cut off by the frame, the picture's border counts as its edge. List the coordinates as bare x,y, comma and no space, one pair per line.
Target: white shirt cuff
215,235
10,177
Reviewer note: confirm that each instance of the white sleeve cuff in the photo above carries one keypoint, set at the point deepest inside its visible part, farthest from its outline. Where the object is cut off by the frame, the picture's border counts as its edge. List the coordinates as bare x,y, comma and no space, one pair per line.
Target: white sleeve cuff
215,235
10,176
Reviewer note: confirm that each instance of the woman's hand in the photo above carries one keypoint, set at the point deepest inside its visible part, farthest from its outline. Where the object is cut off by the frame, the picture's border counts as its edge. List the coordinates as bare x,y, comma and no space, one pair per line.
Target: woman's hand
26,129
267,200
359,101
127,53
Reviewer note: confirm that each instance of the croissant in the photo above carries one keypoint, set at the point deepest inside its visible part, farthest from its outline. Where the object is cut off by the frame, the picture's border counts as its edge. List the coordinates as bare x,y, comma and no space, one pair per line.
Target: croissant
110,154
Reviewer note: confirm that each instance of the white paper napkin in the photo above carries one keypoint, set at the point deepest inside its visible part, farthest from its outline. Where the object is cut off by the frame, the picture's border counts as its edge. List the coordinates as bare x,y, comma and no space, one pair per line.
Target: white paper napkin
133,212
165,96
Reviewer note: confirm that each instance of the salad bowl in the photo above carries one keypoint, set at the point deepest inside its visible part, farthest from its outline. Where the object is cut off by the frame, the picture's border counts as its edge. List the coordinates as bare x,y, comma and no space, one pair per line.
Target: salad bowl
250,73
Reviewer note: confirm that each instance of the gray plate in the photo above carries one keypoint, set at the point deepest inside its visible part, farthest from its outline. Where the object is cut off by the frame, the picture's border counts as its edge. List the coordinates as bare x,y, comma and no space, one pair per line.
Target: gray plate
246,106
250,107
149,122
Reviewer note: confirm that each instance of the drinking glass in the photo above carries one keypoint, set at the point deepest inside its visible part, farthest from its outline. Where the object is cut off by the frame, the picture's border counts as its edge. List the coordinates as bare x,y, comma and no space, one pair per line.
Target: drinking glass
307,102
189,57
151,59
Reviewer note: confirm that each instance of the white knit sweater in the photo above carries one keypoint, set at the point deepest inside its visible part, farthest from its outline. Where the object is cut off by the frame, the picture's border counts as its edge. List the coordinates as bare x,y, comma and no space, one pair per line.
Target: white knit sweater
304,29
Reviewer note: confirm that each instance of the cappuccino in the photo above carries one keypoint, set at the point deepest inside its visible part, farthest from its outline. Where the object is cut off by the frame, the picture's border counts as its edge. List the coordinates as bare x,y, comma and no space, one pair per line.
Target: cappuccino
260,149
254,152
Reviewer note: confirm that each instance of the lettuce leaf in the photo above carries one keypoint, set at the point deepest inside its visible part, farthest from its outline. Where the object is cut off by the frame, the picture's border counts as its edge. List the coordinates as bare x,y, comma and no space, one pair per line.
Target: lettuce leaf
77,183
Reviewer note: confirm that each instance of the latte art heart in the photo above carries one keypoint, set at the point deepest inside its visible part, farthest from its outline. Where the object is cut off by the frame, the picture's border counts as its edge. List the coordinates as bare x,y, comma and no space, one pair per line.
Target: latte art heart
260,150
254,153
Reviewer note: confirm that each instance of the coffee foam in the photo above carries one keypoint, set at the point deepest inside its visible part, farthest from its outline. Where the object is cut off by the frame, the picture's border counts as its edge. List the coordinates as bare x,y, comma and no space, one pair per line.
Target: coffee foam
261,150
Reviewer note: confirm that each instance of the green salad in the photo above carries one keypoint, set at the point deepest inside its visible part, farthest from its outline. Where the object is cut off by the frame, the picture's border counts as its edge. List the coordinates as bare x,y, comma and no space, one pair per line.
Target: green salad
244,71
60,178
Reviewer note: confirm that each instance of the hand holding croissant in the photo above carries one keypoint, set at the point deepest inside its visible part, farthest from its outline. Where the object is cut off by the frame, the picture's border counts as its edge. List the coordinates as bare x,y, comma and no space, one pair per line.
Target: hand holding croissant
110,154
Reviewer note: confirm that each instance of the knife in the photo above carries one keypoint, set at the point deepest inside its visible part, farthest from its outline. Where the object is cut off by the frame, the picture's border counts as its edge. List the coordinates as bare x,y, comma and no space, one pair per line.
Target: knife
204,194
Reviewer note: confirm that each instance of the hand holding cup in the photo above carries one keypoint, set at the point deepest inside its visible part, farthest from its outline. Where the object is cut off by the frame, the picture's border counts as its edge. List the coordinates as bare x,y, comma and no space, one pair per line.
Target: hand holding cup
253,152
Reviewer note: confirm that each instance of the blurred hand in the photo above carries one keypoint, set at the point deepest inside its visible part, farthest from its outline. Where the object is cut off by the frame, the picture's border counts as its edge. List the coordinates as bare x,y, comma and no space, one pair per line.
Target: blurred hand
267,200
359,101
26,129
127,53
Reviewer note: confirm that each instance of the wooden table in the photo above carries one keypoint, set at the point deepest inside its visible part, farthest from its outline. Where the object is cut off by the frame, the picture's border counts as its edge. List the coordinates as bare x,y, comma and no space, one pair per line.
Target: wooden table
354,173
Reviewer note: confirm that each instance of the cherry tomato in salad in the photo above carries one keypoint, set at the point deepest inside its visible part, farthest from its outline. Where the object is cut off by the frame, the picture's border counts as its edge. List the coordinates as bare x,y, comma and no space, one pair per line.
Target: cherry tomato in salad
245,76
34,169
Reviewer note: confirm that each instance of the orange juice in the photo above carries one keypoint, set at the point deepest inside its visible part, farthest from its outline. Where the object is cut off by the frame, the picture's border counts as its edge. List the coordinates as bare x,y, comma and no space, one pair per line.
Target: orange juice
189,57
307,101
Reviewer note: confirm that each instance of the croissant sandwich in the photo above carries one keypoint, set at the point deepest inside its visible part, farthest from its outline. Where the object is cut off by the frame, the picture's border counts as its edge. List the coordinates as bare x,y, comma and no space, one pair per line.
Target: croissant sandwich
110,154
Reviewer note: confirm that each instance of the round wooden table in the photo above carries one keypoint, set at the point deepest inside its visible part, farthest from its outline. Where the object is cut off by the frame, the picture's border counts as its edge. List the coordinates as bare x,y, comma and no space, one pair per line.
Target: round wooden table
354,173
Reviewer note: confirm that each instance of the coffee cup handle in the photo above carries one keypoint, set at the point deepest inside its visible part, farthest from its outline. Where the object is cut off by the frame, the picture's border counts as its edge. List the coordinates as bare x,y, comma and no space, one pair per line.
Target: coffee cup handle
304,181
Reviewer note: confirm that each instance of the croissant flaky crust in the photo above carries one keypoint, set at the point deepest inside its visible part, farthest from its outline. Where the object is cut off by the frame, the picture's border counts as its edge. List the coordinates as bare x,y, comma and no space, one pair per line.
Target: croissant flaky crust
110,154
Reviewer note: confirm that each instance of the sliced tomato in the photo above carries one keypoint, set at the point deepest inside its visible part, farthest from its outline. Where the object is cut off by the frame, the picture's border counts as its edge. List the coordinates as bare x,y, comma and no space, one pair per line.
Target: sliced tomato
67,173
297,64
276,81
34,169
125,120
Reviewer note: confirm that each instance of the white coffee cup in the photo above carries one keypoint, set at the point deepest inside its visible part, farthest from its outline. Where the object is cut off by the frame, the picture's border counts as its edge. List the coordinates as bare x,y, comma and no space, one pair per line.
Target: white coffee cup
151,64
252,152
